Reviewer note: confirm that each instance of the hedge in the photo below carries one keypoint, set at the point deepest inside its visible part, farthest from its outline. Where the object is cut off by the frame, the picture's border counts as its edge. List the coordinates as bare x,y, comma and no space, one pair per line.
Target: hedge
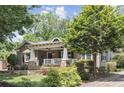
65,77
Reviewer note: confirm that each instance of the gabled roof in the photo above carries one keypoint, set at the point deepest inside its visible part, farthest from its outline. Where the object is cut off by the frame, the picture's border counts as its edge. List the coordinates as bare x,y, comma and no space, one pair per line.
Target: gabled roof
23,43
54,40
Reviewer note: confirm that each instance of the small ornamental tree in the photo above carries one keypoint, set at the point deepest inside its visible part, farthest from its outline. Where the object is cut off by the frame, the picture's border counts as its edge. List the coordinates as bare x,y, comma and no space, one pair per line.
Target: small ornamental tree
96,29
12,60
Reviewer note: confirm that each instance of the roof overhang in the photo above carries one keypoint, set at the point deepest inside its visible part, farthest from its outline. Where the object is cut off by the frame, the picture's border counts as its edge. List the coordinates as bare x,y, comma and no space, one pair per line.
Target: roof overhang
46,45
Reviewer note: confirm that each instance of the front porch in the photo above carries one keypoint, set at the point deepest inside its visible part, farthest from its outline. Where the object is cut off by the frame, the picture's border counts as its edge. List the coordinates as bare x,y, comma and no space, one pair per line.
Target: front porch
48,54
49,57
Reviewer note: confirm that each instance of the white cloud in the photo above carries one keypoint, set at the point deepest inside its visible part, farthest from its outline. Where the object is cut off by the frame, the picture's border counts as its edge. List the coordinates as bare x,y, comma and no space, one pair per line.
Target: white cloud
60,11
44,12
49,8
17,37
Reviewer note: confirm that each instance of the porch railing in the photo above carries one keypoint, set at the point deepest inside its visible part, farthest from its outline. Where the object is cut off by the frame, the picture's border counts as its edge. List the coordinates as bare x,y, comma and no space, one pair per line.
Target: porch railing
57,61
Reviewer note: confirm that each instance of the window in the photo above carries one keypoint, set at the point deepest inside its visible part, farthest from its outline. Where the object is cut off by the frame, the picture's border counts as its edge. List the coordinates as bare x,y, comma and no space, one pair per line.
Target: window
104,56
83,56
88,56
56,40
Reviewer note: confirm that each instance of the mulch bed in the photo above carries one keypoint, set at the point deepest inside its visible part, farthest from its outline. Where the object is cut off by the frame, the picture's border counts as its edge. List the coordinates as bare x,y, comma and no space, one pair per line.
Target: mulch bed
5,84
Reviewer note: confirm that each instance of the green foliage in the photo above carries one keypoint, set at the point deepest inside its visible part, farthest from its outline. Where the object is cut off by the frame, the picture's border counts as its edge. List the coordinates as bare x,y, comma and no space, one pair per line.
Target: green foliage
69,77
52,79
26,82
85,76
12,59
102,70
62,77
119,59
87,62
3,54
85,68
13,18
111,66
6,48
46,27
96,28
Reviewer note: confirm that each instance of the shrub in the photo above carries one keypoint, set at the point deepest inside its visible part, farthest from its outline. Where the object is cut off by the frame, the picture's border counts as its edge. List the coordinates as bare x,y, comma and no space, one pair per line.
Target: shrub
12,59
84,68
102,70
52,79
67,76
111,66
17,67
120,60
24,67
84,76
21,67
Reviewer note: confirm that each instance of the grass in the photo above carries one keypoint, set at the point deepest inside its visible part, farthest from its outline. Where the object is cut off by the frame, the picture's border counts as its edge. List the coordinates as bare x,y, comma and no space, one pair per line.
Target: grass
23,80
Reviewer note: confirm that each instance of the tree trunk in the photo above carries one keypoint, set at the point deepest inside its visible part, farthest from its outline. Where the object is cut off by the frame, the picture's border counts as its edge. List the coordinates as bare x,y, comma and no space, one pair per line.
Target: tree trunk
94,67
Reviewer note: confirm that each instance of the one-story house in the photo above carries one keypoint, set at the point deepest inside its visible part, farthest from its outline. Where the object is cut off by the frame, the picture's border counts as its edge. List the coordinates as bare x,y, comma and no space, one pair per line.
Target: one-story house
54,53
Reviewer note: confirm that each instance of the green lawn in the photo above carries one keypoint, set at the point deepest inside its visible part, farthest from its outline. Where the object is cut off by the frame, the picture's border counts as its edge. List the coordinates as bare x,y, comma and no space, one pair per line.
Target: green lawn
23,80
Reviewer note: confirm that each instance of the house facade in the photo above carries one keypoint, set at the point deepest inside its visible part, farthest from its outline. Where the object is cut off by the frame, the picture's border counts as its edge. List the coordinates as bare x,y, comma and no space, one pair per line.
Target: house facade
54,53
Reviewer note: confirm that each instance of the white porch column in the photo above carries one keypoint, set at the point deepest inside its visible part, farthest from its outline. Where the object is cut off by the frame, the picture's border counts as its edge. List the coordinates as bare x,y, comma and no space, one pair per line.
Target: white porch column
91,56
98,60
64,57
65,54
85,56
32,55
81,55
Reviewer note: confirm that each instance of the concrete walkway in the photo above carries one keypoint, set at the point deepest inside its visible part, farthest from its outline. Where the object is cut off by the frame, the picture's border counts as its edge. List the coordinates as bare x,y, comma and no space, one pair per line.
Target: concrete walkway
115,80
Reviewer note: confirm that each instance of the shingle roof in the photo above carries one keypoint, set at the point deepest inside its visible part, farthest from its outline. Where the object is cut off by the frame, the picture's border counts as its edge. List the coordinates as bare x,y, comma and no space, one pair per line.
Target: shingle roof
42,42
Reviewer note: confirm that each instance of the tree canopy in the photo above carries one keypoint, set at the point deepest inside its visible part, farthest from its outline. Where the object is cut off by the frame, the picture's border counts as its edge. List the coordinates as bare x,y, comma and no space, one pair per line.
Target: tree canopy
95,29
7,48
13,18
46,26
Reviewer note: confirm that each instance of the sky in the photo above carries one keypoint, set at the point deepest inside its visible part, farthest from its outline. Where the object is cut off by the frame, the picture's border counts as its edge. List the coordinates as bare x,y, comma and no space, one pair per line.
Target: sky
63,11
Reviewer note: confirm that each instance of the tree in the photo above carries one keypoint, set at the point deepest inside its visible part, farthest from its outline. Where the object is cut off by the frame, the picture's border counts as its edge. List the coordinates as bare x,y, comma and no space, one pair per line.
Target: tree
46,27
12,59
13,18
96,29
7,48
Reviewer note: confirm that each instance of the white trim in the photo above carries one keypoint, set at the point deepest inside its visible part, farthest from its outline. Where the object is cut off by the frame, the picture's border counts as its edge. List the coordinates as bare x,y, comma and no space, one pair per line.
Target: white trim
91,56
57,39
65,54
85,56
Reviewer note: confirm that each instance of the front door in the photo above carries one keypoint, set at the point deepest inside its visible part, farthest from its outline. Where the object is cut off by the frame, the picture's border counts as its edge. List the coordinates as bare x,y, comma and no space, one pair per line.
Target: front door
49,55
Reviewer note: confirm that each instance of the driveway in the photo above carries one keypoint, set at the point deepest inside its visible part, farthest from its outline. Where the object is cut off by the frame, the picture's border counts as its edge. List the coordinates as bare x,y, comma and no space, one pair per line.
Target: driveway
114,80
